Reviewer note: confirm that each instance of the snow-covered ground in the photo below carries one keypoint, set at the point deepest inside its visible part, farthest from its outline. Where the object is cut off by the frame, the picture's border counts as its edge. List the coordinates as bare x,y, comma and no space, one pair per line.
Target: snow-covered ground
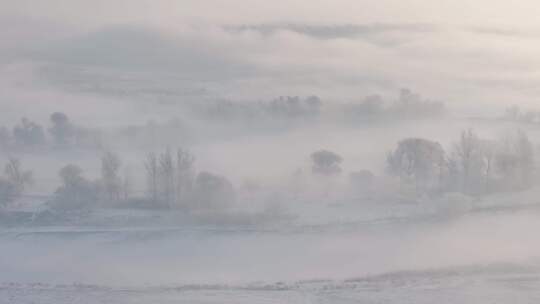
489,284
480,251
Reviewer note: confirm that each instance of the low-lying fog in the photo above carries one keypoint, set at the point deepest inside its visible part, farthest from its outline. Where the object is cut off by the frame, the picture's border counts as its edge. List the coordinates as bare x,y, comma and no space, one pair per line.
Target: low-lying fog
190,256
188,145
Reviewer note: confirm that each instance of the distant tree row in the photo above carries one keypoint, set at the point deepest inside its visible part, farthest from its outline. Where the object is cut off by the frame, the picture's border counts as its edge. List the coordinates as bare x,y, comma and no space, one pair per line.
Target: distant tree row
472,166
408,105
172,183
29,135
282,108
516,114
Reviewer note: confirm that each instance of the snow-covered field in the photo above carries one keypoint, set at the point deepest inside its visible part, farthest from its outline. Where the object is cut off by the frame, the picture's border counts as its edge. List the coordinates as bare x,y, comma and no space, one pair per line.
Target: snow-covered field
493,284
485,253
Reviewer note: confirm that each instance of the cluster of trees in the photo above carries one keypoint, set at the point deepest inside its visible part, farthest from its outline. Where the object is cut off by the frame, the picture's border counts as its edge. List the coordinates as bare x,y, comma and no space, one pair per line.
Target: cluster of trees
407,106
516,114
29,135
172,182
293,106
473,165
78,192
170,179
281,108
325,162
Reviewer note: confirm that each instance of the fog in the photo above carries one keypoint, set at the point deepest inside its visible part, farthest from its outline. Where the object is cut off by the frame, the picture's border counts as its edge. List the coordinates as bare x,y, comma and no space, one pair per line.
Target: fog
285,152
183,258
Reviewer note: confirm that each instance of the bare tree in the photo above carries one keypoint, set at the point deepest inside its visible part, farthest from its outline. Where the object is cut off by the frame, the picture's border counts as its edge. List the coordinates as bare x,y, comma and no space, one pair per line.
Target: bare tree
525,155
515,160
489,152
7,193
5,139
468,155
167,178
110,165
476,163
14,183
126,185
152,173
184,175
18,177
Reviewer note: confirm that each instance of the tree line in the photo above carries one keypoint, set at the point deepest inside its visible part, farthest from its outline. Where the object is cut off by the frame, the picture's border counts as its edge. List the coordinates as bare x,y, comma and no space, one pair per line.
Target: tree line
172,182
30,135
473,165
171,178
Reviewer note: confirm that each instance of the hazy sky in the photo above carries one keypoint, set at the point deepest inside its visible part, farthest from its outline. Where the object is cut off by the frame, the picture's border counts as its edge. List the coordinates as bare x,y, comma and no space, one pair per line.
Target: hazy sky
175,12
466,53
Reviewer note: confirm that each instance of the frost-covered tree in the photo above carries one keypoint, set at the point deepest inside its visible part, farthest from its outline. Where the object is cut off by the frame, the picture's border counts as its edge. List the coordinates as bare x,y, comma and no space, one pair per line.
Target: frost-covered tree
488,154
515,160
152,173
110,178
7,193
419,161
17,176
70,175
468,156
62,131
14,182
170,177
184,175
325,162
76,192
166,179
127,185
212,192
412,105
28,133
6,139
478,165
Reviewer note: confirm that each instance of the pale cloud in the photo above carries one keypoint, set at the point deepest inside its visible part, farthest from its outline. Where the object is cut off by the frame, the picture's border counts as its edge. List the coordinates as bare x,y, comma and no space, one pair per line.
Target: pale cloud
466,53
